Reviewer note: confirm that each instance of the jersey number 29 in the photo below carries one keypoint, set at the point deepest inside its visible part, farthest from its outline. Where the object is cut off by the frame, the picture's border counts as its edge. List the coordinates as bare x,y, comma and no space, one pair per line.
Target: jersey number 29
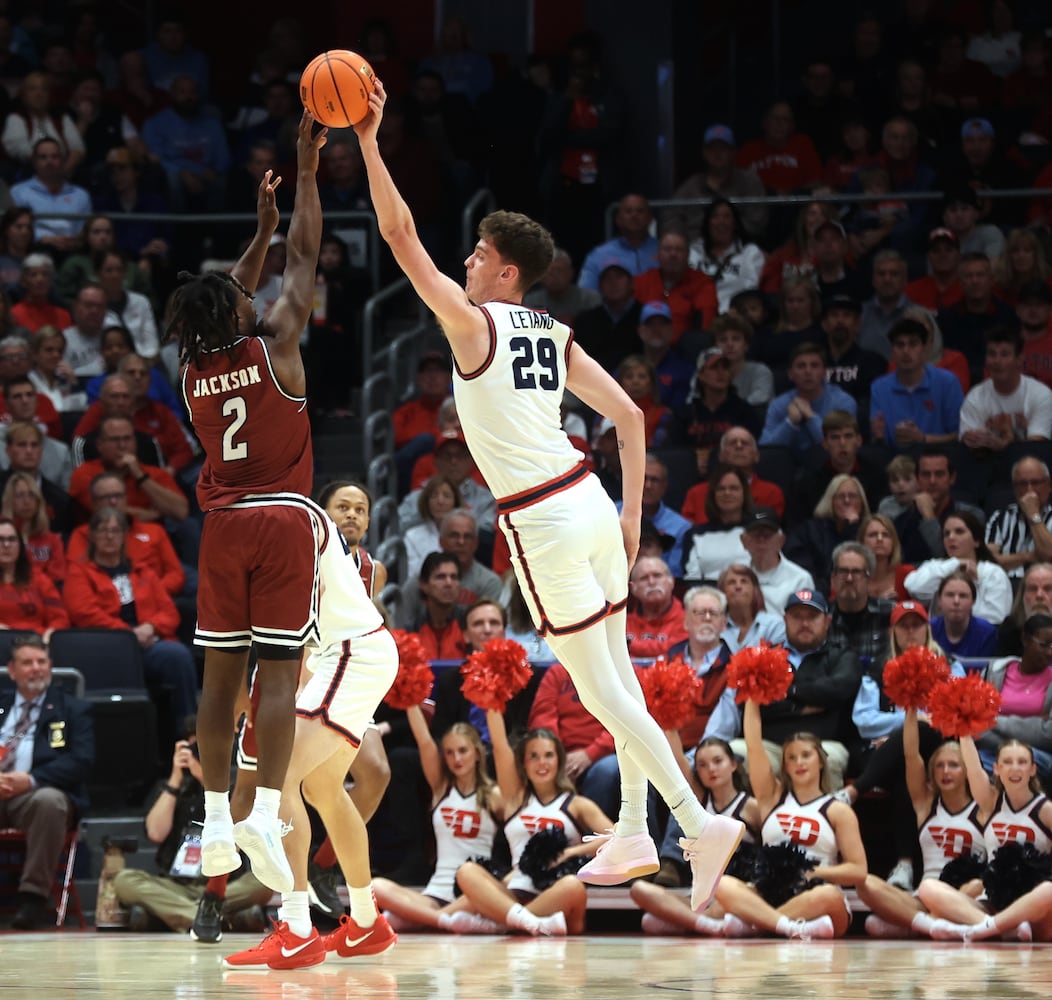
546,358
234,451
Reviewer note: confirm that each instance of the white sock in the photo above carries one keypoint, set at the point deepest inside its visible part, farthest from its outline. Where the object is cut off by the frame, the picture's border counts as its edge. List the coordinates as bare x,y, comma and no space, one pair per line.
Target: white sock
689,813
707,925
986,928
401,924
266,803
922,922
363,906
632,818
784,926
521,919
735,927
217,807
295,911
554,925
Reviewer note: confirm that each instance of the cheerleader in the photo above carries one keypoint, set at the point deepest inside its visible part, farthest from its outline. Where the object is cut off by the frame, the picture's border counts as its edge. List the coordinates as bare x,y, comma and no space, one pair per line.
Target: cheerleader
721,788
1012,810
798,810
465,807
949,828
538,796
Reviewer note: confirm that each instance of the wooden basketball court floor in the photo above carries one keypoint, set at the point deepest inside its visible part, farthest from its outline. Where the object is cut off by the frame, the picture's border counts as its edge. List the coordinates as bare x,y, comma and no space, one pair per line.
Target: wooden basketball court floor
609,967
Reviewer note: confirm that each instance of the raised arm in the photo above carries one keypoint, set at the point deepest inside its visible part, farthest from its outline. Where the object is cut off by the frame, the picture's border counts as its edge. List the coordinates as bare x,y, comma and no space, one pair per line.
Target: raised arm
248,268
982,788
504,761
430,757
765,785
920,791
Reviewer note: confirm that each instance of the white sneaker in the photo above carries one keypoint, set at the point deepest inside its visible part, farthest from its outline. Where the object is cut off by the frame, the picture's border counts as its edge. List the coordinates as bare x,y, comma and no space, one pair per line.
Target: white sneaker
709,855
812,930
463,922
879,928
218,854
655,925
735,927
901,876
261,841
553,925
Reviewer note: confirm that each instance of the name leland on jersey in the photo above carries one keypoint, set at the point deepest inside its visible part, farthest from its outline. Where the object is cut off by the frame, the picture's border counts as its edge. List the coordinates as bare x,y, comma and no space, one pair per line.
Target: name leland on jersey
239,378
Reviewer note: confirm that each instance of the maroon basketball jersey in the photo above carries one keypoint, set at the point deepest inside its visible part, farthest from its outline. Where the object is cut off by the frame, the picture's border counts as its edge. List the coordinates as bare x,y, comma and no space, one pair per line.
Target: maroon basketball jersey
256,436
366,570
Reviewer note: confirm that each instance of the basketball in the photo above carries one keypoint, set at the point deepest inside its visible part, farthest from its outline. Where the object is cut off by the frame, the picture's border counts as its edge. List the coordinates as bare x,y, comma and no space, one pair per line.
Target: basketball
335,88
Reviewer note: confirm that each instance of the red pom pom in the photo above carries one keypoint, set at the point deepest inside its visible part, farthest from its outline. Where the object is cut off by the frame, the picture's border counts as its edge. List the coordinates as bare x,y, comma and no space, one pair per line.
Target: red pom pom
760,673
414,679
672,691
910,677
494,675
963,706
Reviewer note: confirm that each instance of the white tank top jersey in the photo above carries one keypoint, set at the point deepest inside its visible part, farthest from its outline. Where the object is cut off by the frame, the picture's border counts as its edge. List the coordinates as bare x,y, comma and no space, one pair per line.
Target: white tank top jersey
531,818
509,406
805,824
734,810
1023,826
462,831
946,835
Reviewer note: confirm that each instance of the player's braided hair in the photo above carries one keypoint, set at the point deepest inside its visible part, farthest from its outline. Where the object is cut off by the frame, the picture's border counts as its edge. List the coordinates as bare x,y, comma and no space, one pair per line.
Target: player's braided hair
202,314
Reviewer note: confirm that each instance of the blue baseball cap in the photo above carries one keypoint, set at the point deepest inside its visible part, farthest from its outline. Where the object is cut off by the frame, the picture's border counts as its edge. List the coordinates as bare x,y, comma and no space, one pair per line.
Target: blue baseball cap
808,599
652,309
977,126
719,133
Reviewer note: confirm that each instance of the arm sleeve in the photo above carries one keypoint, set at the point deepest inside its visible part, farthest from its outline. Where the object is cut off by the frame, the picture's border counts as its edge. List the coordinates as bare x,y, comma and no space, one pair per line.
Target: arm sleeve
777,428
925,579
1040,422
725,721
870,721
544,713
829,689
971,416
69,769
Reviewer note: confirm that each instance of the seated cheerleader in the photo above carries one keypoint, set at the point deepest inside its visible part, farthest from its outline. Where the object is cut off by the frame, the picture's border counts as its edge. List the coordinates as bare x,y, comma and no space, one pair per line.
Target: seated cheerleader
465,805
721,788
948,821
538,796
1013,811
798,811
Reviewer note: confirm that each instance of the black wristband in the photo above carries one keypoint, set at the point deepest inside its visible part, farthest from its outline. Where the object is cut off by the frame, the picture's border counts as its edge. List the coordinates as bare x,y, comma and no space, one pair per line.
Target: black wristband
171,790
142,479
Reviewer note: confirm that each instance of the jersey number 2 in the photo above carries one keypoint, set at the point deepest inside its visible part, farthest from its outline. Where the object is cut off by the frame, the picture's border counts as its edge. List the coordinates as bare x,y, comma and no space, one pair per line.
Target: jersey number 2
547,357
234,451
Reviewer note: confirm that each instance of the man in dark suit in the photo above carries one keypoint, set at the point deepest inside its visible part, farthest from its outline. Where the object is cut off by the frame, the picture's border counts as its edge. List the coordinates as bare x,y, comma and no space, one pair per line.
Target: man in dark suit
47,742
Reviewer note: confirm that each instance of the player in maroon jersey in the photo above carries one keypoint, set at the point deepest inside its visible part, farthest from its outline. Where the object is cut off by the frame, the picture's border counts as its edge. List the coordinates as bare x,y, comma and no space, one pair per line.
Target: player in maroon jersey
244,387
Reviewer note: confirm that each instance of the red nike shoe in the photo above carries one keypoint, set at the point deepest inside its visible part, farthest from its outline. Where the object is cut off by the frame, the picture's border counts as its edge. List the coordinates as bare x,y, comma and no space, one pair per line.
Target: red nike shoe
281,949
351,941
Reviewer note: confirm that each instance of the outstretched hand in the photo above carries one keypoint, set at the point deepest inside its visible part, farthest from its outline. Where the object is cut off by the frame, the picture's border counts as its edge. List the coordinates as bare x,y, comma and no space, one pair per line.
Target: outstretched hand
366,129
267,202
309,144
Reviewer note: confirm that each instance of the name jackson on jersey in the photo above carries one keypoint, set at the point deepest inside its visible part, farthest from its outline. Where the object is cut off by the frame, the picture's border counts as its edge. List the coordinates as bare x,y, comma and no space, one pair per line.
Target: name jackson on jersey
239,378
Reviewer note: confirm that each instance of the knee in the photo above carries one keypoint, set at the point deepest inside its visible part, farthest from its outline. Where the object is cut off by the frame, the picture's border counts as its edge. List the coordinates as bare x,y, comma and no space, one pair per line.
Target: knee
50,805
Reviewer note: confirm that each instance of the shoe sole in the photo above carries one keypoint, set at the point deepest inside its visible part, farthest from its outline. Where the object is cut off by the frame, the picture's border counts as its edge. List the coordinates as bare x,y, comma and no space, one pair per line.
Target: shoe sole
703,904
276,875
215,940
616,878
219,859
285,966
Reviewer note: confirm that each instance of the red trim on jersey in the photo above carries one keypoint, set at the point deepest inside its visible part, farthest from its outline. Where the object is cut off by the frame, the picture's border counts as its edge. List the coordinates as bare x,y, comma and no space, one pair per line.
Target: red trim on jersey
322,711
467,376
527,498
569,344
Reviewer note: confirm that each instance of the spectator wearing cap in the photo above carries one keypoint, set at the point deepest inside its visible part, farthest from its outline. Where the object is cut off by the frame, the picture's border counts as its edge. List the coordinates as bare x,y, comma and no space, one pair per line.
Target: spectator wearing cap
656,619
674,373
738,449
960,213
1020,533
916,403
689,294
889,301
859,621
557,294
826,677
983,166
794,419
713,406
941,286
851,367
753,380
785,160
1008,406
965,323
448,426
723,253
416,421
833,273
719,177
633,247
1034,311
779,577
609,331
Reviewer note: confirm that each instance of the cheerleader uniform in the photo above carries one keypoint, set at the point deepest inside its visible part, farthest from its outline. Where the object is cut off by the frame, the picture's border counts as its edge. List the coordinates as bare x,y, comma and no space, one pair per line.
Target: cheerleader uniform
734,809
1008,832
463,831
1023,827
530,818
743,862
805,825
946,835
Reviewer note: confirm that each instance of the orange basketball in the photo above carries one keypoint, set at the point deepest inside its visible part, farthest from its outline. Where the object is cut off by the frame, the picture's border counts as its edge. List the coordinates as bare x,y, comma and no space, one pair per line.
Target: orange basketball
335,88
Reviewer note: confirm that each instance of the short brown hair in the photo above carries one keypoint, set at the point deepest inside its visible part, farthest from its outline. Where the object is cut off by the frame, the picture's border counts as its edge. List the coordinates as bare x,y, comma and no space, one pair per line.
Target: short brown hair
520,240
839,420
732,321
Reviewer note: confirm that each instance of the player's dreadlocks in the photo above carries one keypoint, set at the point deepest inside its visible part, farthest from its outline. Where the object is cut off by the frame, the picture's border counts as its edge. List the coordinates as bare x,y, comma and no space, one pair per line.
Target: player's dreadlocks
202,314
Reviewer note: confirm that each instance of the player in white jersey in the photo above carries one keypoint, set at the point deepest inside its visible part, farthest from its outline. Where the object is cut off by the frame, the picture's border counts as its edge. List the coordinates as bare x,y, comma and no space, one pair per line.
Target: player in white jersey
464,802
570,550
949,827
351,670
1013,801
798,810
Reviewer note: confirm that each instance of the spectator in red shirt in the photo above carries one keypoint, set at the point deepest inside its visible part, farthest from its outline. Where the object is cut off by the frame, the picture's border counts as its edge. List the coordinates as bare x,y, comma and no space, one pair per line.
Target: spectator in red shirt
690,294
784,159
737,448
28,599
439,629
15,363
657,619
416,421
37,309
941,286
23,502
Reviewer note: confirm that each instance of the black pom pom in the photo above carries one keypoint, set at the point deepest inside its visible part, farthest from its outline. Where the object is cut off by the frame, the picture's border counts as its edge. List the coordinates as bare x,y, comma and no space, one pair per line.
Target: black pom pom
495,868
742,865
1013,871
962,869
541,852
781,872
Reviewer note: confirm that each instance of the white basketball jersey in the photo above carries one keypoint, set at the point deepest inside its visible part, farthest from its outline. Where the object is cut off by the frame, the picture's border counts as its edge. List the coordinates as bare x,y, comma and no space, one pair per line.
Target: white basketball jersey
1024,826
733,809
946,835
531,818
806,825
462,831
509,407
